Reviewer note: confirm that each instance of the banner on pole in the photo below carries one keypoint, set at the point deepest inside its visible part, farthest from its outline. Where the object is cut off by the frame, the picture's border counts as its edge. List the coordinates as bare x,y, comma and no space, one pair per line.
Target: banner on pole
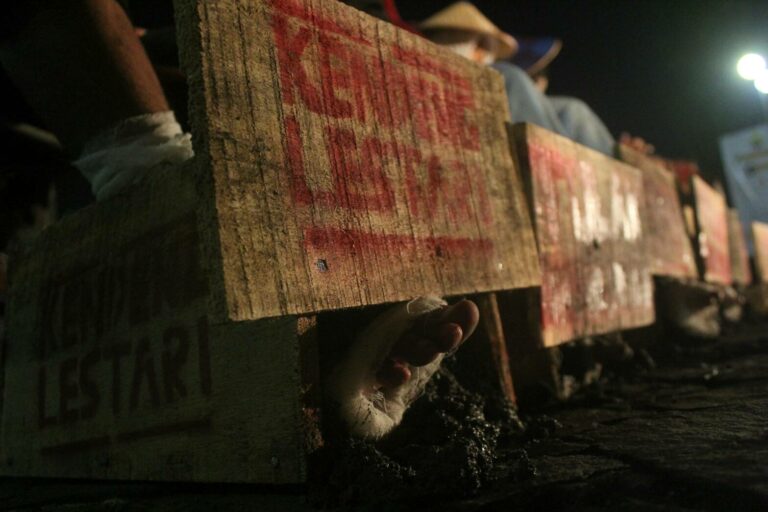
745,162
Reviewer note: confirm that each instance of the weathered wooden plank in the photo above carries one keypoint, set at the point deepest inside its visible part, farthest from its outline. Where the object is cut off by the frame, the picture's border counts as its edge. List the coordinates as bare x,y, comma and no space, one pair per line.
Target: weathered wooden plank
757,297
352,163
760,241
684,171
588,216
712,233
115,368
483,363
737,247
666,239
491,325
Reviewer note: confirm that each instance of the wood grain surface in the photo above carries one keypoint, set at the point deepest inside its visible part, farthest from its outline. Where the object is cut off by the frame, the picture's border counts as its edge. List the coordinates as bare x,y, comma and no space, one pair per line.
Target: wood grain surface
712,233
667,242
116,370
589,216
760,240
352,162
737,246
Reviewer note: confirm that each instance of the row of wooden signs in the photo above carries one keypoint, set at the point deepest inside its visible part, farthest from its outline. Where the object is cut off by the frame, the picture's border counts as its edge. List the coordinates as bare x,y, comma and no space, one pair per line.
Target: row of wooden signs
340,163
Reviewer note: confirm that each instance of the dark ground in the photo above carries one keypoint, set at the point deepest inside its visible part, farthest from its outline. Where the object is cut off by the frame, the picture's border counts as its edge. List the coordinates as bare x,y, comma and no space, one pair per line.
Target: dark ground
691,434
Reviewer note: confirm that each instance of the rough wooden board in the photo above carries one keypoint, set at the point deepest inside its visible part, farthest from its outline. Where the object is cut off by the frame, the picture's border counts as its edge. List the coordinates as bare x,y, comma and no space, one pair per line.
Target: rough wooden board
684,171
353,163
490,319
115,369
712,233
760,241
482,363
666,238
588,215
737,247
757,297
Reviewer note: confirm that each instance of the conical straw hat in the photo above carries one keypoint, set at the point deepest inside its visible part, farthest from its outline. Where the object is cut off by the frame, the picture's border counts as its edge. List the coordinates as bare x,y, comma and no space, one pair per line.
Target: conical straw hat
466,17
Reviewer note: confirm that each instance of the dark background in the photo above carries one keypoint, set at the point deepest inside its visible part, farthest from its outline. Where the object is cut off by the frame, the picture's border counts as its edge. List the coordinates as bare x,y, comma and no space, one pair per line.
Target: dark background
664,70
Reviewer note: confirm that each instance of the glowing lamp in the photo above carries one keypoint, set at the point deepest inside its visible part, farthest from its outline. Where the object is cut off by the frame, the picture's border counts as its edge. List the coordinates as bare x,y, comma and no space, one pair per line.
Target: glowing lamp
750,66
761,82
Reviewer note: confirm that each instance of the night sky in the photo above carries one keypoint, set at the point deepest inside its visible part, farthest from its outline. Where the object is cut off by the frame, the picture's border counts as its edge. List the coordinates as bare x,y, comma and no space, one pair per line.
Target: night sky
663,70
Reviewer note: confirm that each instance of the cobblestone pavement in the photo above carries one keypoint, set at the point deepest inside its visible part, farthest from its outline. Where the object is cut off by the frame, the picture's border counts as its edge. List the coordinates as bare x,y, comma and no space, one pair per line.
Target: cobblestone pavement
692,434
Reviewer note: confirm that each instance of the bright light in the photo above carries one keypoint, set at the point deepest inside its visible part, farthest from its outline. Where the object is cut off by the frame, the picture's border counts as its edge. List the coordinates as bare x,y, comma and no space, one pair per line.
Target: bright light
761,82
750,66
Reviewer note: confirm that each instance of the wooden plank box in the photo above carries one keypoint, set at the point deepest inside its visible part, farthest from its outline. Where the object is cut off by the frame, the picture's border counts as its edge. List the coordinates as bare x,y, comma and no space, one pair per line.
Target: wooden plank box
667,242
757,294
589,219
351,162
711,241
116,369
760,243
340,162
737,247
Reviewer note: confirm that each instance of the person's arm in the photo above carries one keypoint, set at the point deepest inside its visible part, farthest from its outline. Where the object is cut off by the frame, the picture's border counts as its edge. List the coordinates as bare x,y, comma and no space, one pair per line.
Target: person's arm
80,65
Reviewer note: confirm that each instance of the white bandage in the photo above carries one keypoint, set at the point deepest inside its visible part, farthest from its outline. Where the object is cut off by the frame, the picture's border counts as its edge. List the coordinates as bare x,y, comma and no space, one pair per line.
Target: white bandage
351,384
124,154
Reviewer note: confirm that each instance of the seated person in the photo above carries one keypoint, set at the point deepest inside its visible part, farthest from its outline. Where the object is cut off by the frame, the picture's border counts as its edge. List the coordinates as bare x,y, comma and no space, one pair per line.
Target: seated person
466,31
81,66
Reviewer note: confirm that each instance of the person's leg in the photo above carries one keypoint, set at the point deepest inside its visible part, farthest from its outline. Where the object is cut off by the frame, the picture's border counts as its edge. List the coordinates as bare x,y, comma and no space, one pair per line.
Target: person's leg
582,124
82,68
526,103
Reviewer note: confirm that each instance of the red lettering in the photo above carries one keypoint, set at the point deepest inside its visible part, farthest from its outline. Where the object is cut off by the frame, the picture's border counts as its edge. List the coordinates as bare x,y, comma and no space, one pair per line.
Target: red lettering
140,289
174,359
87,386
343,242
425,63
394,110
111,284
49,306
462,104
410,158
116,352
43,420
290,48
350,172
374,157
436,100
204,356
334,77
81,383
420,106
71,318
144,369
303,12
68,390
351,179
550,161
462,190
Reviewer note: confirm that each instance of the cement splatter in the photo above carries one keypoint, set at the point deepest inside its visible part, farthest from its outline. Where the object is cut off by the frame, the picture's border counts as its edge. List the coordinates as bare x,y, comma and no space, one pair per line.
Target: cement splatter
448,445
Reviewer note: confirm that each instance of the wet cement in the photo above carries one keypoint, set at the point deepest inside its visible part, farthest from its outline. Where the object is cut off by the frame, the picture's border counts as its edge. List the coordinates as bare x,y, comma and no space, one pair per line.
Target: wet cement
447,446
690,433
